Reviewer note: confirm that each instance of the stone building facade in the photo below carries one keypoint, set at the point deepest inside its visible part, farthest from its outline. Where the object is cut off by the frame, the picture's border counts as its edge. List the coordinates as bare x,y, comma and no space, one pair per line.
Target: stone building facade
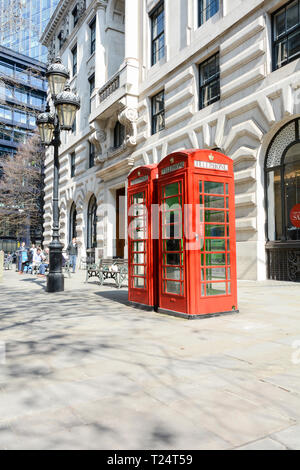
159,76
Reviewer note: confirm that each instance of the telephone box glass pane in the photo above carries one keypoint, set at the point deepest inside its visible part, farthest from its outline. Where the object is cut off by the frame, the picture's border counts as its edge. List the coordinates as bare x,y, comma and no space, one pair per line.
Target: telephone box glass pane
214,202
215,245
173,287
215,230
172,190
216,274
217,288
172,201
139,270
138,258
139,282
173,273
215,216
216,259
211,187
138,246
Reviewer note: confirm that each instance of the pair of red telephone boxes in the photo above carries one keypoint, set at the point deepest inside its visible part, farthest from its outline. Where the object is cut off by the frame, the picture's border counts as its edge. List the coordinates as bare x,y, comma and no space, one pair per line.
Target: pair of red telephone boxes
181,235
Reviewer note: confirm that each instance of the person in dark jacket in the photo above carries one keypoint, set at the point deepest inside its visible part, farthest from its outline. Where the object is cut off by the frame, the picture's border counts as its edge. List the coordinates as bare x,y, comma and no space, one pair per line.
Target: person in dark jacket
73,252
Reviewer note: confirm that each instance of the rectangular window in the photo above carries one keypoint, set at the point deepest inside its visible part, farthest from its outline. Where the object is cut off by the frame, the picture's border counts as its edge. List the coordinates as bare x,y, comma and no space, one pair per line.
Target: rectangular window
75,16
72,164
60,40
74,126
74,60
157,33
5,113
91,155
92,87
158,112
207,9
286,34
20,117
93,35
209,74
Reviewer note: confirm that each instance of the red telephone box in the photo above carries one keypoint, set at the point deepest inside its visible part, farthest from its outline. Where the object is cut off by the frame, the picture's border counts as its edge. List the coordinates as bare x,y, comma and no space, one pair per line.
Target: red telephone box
197,246
142,255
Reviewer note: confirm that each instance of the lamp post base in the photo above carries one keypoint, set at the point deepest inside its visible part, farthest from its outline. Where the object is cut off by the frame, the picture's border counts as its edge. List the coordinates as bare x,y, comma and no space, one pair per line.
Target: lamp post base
55,282
55,278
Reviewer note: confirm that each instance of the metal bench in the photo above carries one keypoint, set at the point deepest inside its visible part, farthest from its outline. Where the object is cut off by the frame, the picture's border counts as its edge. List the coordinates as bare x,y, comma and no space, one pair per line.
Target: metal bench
116,269
109,268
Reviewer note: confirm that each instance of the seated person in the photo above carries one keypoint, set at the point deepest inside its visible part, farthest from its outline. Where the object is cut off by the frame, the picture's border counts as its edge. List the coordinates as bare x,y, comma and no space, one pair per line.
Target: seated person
37,259
44,263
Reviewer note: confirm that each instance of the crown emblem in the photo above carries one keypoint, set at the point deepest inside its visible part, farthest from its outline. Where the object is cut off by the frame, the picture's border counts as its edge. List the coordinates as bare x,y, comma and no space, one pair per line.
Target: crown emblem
211,157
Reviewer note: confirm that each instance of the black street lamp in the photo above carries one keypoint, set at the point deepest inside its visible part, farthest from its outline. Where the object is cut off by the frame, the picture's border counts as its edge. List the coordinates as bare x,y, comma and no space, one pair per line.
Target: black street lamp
50,124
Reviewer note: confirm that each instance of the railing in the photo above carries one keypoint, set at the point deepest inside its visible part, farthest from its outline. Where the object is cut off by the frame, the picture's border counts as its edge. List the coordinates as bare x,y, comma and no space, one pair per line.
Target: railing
111,86
283,261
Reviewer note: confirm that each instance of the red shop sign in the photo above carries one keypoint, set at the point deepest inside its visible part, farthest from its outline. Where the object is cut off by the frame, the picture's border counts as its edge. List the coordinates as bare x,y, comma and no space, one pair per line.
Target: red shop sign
295,216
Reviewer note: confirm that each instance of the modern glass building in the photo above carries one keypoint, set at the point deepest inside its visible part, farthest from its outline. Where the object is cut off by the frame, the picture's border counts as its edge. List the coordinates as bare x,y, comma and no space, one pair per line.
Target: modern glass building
22,96
22,23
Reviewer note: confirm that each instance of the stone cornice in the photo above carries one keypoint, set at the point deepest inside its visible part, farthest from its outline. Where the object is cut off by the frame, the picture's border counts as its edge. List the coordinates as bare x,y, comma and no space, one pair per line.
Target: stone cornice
62,8
58,14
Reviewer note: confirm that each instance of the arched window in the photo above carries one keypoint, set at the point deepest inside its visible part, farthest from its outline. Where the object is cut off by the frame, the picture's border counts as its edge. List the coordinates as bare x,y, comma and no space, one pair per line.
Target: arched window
92,223
72,222
283,184
282,170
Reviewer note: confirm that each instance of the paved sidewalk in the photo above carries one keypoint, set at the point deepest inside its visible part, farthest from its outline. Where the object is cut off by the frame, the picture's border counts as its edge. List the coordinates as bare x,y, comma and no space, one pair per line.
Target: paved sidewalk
84,370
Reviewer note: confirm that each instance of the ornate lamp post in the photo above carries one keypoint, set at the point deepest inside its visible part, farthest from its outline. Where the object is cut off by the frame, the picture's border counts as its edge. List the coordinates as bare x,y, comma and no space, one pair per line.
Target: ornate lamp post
50,124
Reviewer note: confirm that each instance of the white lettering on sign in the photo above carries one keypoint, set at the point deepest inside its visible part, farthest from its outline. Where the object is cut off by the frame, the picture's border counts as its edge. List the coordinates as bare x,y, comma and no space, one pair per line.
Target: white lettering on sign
170,169
211,165
142,179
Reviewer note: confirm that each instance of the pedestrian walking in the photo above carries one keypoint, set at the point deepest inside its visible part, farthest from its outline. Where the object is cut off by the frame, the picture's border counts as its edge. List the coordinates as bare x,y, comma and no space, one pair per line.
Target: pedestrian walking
72,251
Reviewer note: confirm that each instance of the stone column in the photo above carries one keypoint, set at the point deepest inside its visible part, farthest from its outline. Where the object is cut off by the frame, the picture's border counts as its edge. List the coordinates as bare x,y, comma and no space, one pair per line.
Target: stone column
131,31
100,62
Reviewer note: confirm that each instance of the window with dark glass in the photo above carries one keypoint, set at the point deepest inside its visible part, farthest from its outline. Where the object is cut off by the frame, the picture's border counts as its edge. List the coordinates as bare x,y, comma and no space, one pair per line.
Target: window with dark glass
158,112
91,155
93,35
283,186
74,60
157,33
73,130
92,223
92,87
75,16
209,75
60,40
72,222
72,164
207,9
286,34
119,135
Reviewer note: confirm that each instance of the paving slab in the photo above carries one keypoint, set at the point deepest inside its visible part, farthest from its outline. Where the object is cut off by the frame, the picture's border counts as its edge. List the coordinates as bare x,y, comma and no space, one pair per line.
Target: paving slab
84,369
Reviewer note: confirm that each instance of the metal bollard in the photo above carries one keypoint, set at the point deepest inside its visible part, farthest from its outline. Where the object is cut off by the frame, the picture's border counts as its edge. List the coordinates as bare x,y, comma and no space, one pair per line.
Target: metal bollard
1,265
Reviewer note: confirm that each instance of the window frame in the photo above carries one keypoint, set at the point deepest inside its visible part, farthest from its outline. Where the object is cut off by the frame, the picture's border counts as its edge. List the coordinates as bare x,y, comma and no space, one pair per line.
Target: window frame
284,37
209,82
92,26
154,129
118,135
72,164
92,155
154,13
75,15
74,62
201,10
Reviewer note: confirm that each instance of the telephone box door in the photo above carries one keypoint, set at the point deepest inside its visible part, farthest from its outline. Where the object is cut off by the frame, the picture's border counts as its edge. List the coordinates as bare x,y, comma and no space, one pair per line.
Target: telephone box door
216,257
172,262
141,247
